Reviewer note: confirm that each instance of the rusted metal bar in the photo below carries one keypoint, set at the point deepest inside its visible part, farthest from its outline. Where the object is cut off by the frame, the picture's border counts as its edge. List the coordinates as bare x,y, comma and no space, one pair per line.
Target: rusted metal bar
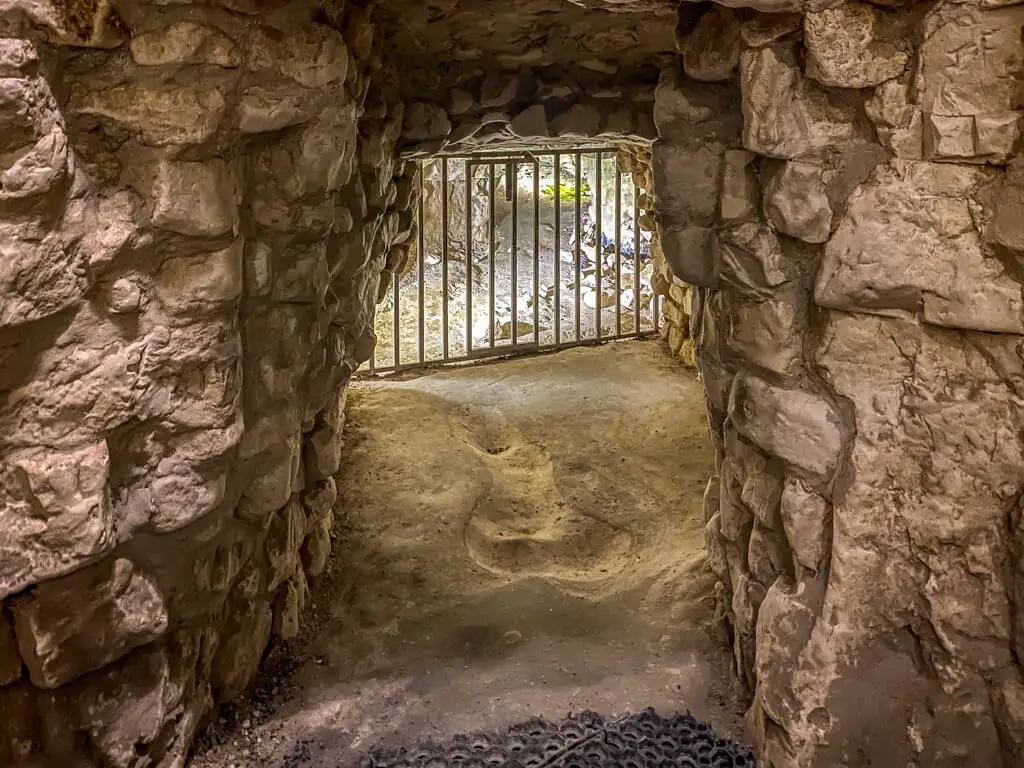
396,321
421,339
618,250
490,257
578,254
558,250
636,257
598,248
445,298
536,252
469,258
512,183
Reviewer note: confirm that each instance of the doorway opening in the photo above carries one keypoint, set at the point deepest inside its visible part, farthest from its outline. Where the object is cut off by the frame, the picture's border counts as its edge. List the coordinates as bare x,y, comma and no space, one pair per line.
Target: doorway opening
514,253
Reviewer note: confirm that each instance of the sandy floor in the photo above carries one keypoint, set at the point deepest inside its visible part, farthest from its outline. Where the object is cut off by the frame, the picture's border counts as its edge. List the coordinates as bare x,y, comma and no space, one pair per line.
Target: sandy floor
516,539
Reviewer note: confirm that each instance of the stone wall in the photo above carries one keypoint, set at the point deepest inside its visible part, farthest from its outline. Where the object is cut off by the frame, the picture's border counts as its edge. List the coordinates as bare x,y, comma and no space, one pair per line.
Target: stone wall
198,204
480,109
856,256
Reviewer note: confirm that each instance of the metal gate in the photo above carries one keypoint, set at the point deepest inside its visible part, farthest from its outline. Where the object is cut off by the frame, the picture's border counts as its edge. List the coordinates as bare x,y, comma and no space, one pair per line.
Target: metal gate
518,253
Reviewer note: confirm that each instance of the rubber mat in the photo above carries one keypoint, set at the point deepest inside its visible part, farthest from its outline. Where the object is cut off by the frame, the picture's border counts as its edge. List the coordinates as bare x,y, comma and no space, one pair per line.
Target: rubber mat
585,740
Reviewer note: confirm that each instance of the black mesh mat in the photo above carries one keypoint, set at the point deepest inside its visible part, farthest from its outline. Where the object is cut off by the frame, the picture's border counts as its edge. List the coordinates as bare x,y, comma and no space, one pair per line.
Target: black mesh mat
586,740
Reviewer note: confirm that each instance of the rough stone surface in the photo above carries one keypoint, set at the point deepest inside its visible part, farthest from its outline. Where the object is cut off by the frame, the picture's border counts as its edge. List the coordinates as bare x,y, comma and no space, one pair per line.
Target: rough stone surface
858,328
182,303
197,216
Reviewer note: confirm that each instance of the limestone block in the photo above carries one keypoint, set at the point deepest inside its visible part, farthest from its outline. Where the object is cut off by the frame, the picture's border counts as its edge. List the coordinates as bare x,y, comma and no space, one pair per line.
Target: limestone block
949,137
996,134
784,625
740,194
185,42
715,548
285,535
313,55
805,519
784,115
1006,227
767,555
424,121
579,121
969,60
799,427
55,513
750,260
195,199
257,268
273,486
39,274
681,104
711,53
322,455
769,28
1009,709
796,203
897,121
689,254
908,242
22,121
845,49
762,489
736,520
302,278
242,642
767,333
10,658
183,493
686,183
189,284
460,101
161,117
289,605
18,57
532,121
936,462
317,549
262,110
116,608
497,90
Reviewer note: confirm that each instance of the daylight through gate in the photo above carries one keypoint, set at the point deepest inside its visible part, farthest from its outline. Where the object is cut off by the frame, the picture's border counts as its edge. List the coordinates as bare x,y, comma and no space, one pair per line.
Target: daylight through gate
555,259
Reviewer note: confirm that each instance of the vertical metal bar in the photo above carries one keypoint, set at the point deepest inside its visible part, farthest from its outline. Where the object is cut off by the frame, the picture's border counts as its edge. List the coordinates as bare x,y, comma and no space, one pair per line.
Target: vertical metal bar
636,257
558,248
490,275
536,252
579,260
514,181
469,258
618,250
395,320
444,258
598,250
420,293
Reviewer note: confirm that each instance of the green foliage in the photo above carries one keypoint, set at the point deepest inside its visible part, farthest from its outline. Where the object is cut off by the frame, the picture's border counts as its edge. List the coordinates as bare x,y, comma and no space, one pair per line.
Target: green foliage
566,191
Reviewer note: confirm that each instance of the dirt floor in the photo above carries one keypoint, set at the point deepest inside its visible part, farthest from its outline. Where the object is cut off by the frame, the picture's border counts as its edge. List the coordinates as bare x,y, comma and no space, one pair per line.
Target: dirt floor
518,539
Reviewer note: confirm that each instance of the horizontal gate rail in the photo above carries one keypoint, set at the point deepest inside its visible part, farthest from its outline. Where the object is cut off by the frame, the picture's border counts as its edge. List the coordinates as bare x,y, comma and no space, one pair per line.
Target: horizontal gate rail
599,274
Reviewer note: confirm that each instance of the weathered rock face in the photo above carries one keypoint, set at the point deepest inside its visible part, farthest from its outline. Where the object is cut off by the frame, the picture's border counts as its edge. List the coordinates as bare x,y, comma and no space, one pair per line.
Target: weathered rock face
196,208
857,318
201,203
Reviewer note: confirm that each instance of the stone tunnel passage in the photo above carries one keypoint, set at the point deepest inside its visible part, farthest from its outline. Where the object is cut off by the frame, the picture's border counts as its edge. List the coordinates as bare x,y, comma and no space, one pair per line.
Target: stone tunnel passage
201,201
521,538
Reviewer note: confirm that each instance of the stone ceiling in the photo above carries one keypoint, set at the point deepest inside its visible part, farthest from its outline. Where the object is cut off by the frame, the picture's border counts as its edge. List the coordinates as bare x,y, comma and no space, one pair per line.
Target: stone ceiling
605,36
